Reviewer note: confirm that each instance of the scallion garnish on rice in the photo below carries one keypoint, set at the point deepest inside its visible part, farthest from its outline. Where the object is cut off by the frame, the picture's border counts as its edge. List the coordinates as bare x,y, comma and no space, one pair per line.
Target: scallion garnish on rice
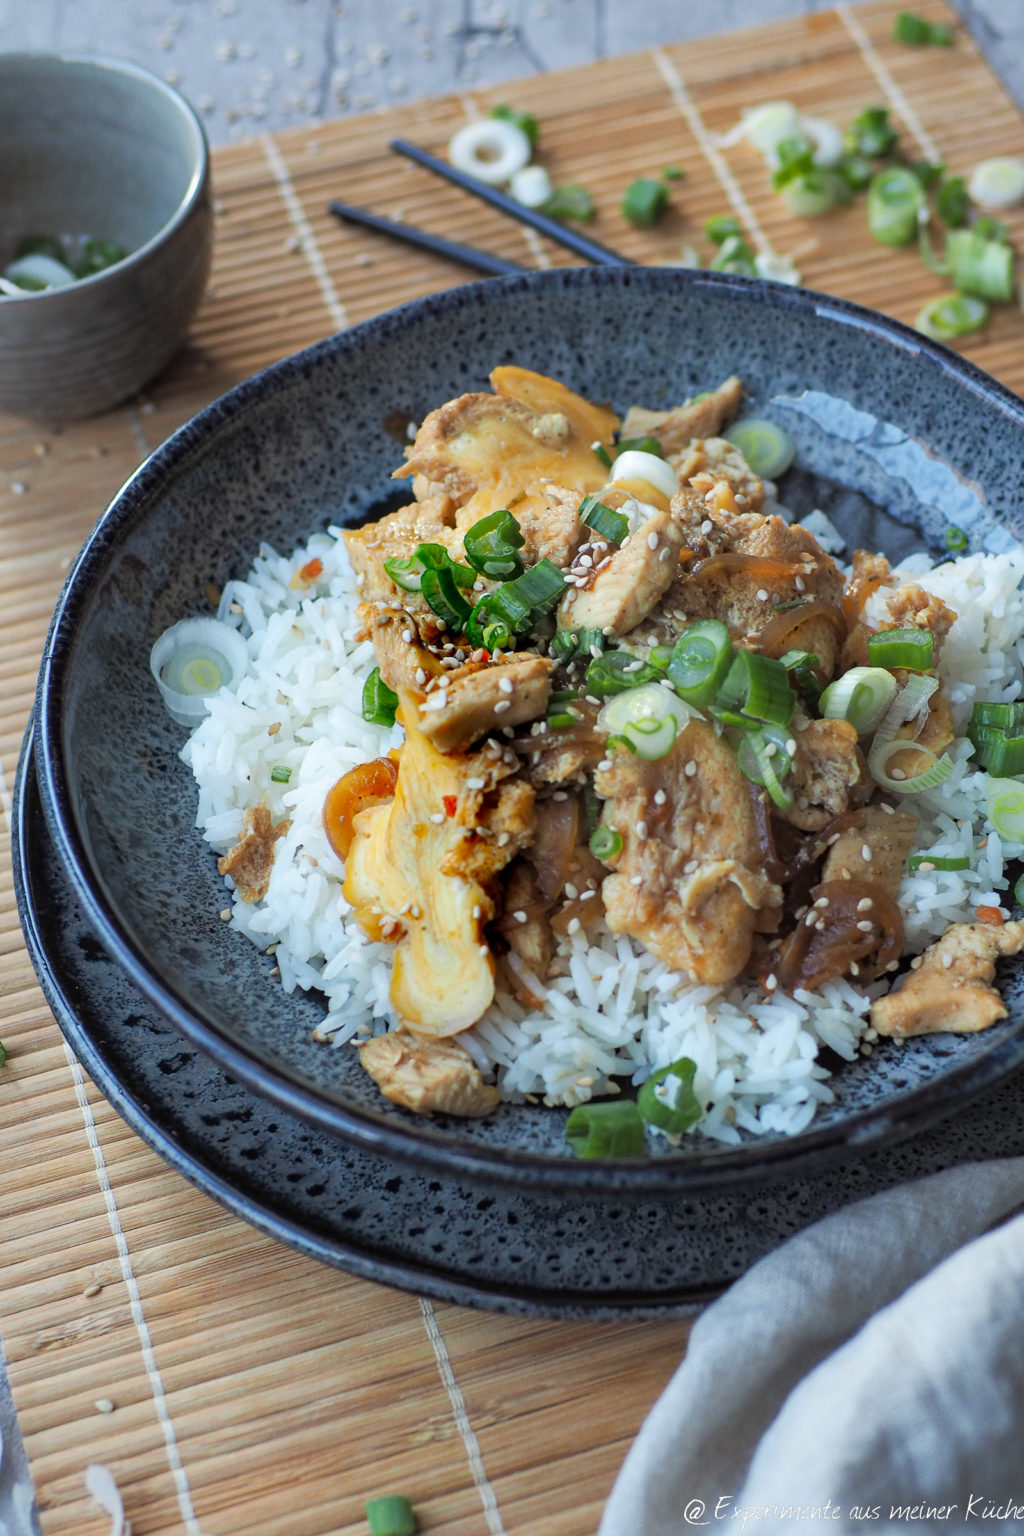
379,701
606,1130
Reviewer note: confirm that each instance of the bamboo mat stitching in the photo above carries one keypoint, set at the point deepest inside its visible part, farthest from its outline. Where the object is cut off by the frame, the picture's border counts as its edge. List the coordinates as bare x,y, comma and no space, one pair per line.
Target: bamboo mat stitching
307,239
481,1481
684,101
152,1370
885,80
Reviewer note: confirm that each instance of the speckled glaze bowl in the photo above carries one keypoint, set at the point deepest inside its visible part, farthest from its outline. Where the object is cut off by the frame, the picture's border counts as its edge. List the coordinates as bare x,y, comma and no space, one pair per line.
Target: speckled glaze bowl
98,147
896,437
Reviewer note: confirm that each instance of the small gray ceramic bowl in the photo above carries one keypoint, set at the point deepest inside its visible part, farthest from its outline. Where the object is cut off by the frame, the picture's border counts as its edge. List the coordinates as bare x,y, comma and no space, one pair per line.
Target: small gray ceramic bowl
100,148
896,437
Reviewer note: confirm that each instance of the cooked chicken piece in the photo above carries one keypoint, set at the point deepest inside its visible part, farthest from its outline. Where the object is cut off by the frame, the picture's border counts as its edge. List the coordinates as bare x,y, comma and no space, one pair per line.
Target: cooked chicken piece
911,607
950,988
875,849
397,535
502,825
638,574
251,860
402,880
486,451
405,663
552,529
564,755
719,459
768,581
827,767
485,698
427,1075
677,428
689,882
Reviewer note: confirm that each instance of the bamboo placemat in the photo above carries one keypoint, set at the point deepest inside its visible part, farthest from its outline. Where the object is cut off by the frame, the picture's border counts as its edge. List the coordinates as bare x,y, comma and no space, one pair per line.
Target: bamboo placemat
231,1384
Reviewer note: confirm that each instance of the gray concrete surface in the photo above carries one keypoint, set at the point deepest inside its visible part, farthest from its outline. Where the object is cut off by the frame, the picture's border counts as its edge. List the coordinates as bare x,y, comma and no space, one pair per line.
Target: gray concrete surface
253,64
250,65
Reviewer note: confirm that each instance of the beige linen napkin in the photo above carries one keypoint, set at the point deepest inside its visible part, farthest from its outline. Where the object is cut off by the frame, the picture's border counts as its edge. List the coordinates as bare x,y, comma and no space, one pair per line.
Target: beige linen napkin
868,1375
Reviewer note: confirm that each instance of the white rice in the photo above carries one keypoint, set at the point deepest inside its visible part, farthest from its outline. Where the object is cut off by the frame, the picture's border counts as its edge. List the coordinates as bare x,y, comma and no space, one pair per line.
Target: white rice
612,1011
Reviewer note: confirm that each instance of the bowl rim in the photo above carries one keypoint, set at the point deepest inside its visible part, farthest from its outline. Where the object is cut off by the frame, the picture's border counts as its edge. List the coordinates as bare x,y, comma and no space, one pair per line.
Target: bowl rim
198,181
417,1142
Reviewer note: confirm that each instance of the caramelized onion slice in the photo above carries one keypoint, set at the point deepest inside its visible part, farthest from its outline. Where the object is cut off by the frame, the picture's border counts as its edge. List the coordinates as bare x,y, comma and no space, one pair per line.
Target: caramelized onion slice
772,639
842,932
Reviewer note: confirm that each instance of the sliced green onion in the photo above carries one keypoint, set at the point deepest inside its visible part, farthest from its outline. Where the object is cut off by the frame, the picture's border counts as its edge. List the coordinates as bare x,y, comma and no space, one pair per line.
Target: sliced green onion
911,648
280,774
997,183
862,696
606,844
3,1054
871,133
602,453
524,121
895,199
192,660
379,702
606,1130
517,604
1004,805
440,591
856,170
952,315
735,255
391,1515
97,256
41,245
802,666
644,201
651,739
996,750
37,274
673,173
763,755
639,445
883,751
952,203
980,266
929,861
758,686
1006,716
614,671
667,1099
817,191
766,447
570,202
647,719
721,226
492,545
659,657
1018,896
408,573
917,32
700,659
605,521
992,229
956,539
491,149
795,157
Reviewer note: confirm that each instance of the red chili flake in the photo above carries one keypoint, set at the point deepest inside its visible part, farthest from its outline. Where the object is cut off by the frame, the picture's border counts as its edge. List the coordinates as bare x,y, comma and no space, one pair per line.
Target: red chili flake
991,915
312,569
451,803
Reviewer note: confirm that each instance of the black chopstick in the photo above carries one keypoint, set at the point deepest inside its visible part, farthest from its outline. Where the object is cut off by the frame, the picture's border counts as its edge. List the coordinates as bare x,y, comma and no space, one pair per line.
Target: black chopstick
480,261
590,250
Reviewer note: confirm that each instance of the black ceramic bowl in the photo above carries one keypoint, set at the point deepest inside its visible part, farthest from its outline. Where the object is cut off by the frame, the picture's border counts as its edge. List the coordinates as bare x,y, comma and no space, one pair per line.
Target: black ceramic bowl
896,437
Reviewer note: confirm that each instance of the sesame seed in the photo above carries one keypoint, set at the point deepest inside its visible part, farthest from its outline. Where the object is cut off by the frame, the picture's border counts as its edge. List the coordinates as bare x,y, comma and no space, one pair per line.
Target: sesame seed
559,795
438,818
865,853
103,1405
865,926
762,595
225,914
947,961
690,770
636,879
865,905
652,540
501,706
690,867
505,685
660,797
604,765
810,919
520,916
866,1048
587,895
707,525
821,902
574,925
641,830
475,783
477,913
93,1289
800,584
926,867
